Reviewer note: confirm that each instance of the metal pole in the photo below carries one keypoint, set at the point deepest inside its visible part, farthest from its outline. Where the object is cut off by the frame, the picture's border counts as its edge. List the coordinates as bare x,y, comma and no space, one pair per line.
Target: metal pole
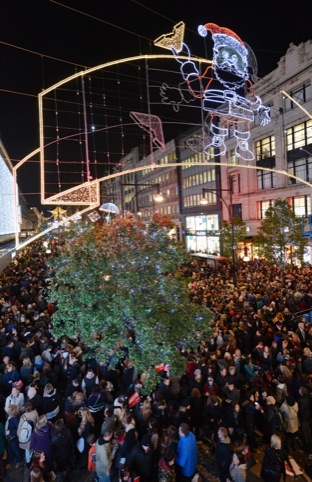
122,199
232,232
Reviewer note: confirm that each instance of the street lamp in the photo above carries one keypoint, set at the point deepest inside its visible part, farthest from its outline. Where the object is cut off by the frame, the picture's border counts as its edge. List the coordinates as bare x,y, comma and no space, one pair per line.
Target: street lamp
158,197
302,149
204,202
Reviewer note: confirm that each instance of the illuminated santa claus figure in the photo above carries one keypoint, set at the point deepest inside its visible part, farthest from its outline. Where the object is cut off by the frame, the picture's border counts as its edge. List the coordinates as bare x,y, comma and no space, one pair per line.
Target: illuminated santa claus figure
225,89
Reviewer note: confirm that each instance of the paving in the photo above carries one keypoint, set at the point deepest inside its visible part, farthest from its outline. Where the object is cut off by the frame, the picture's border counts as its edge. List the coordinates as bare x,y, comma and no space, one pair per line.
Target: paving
206,467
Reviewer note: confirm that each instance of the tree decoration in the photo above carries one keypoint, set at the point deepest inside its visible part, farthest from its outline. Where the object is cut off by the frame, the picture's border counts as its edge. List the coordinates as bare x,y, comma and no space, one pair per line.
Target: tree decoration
279,238
119,288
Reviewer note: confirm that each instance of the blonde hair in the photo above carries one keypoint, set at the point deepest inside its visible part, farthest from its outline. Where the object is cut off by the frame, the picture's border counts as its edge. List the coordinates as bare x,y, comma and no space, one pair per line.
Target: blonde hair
86,415
27,362
9,365
42,421
14,410
78,397
276,442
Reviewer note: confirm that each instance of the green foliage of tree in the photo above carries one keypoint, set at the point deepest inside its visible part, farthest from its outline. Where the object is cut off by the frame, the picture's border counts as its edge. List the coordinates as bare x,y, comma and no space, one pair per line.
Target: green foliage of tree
226,237
119,285
280,230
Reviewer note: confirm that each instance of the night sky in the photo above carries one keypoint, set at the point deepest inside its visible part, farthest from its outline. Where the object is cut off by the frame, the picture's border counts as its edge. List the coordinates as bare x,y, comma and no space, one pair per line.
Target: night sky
43,41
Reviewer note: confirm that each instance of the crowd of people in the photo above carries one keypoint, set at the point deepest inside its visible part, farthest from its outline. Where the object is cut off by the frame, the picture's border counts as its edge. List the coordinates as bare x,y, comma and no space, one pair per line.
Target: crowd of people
246,386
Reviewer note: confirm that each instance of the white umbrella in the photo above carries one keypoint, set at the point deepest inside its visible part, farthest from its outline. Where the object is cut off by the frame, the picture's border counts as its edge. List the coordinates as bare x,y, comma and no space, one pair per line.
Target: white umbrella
109,208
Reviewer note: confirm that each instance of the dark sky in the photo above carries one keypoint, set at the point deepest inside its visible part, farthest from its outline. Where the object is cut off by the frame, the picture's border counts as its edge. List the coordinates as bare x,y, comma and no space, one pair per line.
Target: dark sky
44,41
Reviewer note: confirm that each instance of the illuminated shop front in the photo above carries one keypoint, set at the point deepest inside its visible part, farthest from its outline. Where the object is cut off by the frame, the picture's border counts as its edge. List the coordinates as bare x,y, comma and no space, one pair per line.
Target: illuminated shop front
202,233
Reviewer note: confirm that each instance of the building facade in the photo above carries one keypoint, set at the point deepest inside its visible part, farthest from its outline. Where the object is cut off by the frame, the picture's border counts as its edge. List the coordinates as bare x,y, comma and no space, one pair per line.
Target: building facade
232,186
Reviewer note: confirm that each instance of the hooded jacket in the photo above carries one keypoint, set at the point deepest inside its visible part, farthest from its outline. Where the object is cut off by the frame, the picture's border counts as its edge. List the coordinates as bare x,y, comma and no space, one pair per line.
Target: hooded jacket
238,472
104,457
41,439
51,404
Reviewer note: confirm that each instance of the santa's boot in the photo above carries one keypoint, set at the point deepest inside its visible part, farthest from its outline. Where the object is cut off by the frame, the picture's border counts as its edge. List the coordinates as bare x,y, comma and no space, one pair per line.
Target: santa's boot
242,147
217,140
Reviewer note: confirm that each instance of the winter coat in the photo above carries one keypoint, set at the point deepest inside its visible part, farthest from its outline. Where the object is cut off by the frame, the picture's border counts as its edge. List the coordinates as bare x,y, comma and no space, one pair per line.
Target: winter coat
26,375
2,440
87,385
143,463
62,448
273,464
223,453
36,400
249,416
104,453
238,473
11,400
186,455
291,418
9,378
32,416
197,412
51,404
41,439
304,404
11,428
96,402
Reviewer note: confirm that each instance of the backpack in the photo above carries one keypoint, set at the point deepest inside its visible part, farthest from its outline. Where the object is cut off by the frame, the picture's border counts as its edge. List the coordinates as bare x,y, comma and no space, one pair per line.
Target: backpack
25,431
278,423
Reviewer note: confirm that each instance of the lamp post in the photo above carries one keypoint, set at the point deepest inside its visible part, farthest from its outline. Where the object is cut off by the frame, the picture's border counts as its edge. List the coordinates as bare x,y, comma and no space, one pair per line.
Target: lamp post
204,202
158,197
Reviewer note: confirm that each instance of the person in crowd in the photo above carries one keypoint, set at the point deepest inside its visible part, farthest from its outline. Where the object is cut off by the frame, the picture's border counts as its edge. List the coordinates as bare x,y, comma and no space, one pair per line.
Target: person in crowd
238,468
197,381
184,412
250,407
170,439
32,416
211,388
63,449
26,371
223,453
3,450
72,386
234,422
51,402
11,375
92,456
273,462
36,475
289,410
196,411
86,427
131,440
105,453
143,416
39,467
41,439
35,398
186,455
166,467
111,420
304,414
11,426
251,370
89,380
143,460
96,403
213,416
15,398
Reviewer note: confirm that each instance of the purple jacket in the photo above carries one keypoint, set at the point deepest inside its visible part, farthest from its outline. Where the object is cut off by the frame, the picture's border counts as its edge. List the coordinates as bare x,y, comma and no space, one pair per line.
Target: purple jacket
41,439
